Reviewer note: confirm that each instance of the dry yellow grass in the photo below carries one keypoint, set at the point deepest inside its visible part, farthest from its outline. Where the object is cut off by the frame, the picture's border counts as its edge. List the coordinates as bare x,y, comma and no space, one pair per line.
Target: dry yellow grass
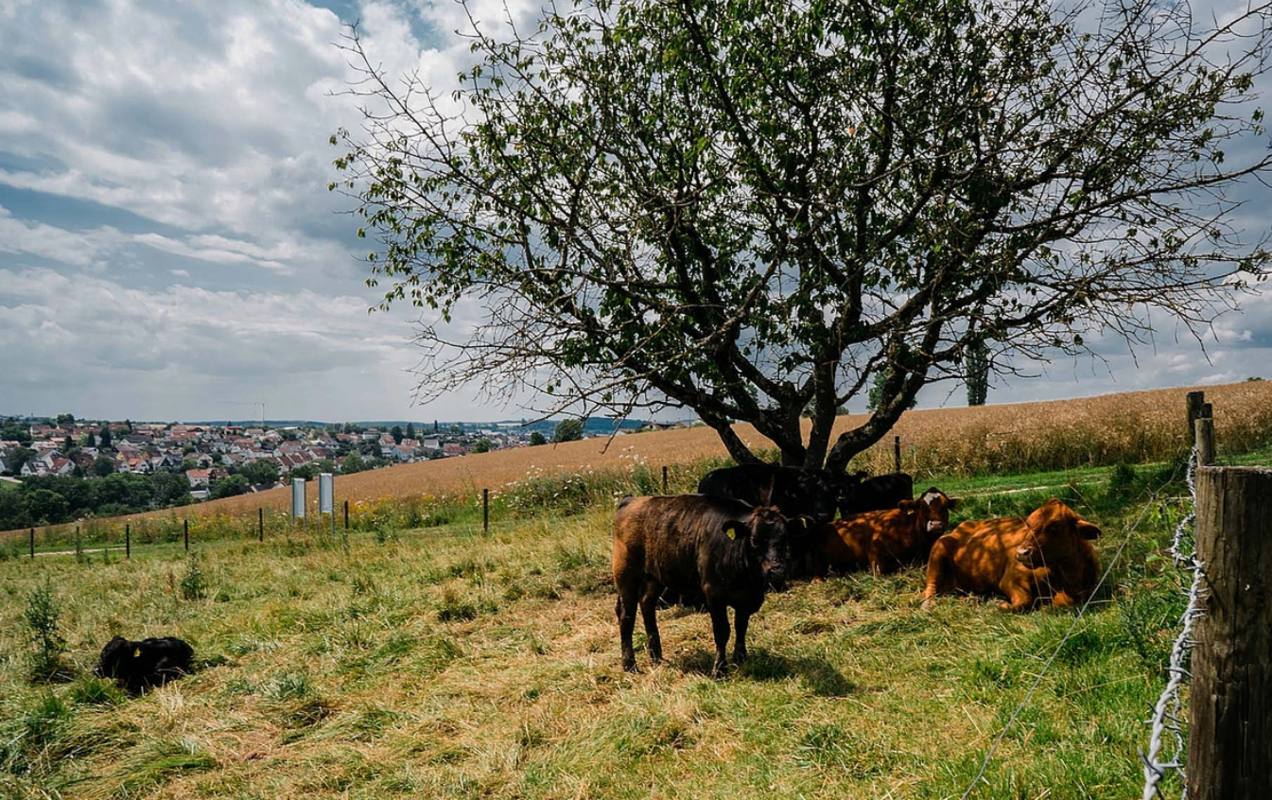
1134,426
932,440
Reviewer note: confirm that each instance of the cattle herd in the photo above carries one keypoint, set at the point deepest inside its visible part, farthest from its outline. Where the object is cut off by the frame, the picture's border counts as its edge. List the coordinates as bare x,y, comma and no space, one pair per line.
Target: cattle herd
754,526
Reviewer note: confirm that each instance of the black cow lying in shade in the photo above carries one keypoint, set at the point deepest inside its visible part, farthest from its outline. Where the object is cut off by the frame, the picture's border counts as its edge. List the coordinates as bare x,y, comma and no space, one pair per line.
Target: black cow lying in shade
140,665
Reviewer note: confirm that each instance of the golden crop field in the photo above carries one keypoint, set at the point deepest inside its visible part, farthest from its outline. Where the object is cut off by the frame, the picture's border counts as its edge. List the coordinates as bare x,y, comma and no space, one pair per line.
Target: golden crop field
1133,426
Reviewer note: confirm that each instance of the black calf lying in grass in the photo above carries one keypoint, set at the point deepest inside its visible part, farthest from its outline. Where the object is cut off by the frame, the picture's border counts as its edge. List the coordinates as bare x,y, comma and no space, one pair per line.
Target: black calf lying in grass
140,665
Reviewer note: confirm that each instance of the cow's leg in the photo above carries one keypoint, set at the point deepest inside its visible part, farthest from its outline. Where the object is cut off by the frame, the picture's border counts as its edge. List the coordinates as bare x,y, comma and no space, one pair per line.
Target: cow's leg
740,620
938,568
720,630
649,611
625,610
820,565
1019,597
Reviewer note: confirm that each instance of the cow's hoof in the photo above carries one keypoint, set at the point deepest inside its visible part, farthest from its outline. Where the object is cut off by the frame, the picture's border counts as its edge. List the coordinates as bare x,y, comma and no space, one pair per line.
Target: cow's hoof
928,604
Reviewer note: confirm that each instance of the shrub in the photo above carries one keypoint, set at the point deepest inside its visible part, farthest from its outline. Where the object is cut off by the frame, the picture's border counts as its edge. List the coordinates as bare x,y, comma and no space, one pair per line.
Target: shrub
42,616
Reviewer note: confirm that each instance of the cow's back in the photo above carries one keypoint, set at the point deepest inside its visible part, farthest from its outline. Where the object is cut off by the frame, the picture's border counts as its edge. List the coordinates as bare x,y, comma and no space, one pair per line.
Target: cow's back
848,540
985,550
664,536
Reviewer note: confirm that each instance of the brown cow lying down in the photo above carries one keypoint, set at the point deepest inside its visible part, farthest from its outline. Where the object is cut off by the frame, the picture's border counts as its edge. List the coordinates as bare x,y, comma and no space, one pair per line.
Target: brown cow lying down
724,550
884,540
1047,556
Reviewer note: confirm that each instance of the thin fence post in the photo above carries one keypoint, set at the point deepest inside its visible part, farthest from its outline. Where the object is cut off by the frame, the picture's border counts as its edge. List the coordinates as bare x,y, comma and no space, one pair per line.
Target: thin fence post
664,479
128,541
1230,709
260,524
485,510
1193,401
346,515
896,445
186,527
1204,435
33,543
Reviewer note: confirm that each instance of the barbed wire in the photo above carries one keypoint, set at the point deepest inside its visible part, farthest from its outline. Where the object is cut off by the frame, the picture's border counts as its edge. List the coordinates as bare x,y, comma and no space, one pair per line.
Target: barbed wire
1166,713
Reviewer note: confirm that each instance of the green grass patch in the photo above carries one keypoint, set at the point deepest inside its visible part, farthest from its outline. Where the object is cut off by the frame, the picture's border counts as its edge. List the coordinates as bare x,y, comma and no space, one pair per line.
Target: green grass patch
445,661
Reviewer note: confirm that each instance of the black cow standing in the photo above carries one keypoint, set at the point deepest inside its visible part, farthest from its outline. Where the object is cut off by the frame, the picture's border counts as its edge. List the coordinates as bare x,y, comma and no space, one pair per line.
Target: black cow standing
880,493
138,665
727,551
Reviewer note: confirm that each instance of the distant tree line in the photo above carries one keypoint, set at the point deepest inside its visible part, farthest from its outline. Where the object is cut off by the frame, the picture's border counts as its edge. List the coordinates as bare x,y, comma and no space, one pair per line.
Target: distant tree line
54,499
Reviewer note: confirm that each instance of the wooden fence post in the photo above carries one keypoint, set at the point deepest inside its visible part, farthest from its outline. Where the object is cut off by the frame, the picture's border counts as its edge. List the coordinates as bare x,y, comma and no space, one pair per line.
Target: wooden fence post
896,445
346,512
186,527
485,510
33,543
1230,709
1193,402
128,541
664,478
1204,436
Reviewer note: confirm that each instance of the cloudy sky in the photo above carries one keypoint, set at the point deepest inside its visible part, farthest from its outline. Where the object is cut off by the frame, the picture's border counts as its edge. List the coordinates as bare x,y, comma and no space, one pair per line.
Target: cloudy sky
169,251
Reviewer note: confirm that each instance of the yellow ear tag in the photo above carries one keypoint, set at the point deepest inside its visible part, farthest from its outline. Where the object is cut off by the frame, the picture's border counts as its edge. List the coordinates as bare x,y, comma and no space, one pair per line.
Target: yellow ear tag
803,522
732,531
137,653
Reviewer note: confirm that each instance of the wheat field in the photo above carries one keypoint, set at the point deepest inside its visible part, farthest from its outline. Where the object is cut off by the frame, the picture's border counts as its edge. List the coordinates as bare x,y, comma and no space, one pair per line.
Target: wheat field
1134,426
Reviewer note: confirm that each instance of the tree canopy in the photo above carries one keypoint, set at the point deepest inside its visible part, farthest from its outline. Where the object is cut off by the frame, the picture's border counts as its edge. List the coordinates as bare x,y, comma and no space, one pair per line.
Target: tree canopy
762,210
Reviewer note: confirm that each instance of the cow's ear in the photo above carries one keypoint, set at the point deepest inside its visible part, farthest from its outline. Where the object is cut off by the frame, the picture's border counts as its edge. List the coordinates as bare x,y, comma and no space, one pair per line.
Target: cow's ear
951,503
1088,530
908,506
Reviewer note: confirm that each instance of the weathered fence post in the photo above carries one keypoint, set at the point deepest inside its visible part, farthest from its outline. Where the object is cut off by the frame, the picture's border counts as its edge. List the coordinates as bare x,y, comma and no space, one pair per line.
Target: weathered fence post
896,448
1193,402
346,512
33,543
186,528
664,479
1230,728
485,510
128,541
260,524
1204,436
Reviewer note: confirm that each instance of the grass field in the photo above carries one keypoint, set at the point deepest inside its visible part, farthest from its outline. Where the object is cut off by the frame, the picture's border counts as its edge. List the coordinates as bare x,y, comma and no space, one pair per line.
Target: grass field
442,662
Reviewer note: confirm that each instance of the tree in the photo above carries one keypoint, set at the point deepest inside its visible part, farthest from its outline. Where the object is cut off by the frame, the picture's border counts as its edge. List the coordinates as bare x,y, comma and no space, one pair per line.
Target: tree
976,362
170,489
229,486
65,419
261,471
396,433
410,430
353,463
753,209
13,431
103,465
483,445
537,438
90,440
105,441
568,430
18,457
46,507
